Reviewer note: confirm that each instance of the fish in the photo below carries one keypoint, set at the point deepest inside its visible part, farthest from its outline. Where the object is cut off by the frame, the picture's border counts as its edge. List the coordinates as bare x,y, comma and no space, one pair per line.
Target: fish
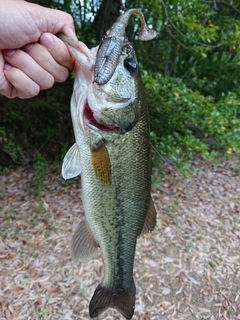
112,154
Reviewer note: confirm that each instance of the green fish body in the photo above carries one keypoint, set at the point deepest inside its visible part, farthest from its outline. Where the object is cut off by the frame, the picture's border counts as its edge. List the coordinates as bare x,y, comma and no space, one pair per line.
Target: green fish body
112,153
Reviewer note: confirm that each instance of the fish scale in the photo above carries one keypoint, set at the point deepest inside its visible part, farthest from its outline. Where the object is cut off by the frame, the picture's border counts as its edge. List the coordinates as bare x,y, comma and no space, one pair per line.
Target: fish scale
126,200
112,153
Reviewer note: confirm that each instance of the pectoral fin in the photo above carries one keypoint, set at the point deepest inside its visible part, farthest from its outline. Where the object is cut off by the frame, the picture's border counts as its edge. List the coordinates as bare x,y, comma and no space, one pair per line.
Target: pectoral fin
150,220
101,164
83,245
71,166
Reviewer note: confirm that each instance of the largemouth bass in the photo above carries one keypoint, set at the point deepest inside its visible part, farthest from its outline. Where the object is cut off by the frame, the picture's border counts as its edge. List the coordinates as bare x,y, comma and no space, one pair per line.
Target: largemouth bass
112,153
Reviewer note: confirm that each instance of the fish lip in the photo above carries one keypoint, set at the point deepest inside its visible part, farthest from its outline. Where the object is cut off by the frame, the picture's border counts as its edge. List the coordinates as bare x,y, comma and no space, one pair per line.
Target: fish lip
108,96
91,121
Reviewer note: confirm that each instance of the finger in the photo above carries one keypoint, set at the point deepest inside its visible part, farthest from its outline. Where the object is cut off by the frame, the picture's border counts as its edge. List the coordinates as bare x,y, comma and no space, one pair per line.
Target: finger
5,86
24,62
30,21
57,49
44,58
21,85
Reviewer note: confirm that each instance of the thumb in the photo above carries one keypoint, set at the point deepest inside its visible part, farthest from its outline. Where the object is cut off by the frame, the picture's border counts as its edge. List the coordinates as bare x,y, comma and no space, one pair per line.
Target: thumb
53,21
57,49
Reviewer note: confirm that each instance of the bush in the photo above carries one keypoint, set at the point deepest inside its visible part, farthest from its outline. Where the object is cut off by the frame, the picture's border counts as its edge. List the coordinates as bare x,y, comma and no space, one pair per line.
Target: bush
185,123
41,124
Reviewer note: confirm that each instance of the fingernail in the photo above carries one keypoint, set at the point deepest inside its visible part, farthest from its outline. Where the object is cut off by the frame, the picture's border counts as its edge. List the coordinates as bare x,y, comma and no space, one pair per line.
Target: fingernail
47,40
9,52
7,66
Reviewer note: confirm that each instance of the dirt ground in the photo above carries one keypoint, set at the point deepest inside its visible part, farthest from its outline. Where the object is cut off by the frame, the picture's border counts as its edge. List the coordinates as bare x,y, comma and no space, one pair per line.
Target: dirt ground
187,268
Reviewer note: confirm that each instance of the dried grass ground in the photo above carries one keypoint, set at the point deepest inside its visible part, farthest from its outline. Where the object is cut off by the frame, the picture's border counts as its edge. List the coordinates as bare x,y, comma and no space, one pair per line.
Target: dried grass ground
188,268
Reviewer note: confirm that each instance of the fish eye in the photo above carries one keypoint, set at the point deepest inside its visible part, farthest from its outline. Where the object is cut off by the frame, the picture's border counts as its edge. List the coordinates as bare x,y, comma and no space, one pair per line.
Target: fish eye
130,65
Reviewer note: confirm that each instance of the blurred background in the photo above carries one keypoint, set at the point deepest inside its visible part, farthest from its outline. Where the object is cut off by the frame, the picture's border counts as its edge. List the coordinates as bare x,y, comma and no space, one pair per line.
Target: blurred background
189,266
191,75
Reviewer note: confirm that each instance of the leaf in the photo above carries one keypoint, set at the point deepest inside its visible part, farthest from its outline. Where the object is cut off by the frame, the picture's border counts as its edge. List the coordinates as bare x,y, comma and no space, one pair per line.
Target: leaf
166,291
168,260
151,262
193,280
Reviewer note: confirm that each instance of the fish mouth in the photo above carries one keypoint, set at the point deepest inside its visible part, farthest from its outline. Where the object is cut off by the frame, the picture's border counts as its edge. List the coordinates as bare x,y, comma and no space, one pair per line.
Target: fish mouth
99,90
90,119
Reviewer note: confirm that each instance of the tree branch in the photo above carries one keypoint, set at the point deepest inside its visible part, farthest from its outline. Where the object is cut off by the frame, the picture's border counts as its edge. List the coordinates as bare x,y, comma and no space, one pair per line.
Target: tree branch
229,5
183,35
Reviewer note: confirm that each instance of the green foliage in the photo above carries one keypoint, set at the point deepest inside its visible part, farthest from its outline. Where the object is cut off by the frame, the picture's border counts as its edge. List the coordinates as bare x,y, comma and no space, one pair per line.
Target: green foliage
11,148
9,214
37,181
185,123
8,144
40,215
50,228
42,123
193,83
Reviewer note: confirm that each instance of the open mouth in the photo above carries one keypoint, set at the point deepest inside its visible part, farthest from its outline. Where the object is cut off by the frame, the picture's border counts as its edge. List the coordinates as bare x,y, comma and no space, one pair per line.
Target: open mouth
99,90
88,114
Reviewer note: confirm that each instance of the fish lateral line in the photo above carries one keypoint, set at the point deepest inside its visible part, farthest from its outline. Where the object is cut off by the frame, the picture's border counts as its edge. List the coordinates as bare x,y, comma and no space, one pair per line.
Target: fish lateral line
116,186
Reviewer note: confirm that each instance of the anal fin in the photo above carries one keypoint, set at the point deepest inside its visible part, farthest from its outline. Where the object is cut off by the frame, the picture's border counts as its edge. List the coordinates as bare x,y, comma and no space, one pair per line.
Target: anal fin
83,245
150,220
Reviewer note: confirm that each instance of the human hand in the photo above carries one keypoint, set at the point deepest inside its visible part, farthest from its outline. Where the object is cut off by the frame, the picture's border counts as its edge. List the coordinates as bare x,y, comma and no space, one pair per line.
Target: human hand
32,58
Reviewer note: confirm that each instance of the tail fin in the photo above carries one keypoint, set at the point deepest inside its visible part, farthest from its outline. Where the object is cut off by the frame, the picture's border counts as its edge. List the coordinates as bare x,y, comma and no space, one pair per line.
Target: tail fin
103,298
